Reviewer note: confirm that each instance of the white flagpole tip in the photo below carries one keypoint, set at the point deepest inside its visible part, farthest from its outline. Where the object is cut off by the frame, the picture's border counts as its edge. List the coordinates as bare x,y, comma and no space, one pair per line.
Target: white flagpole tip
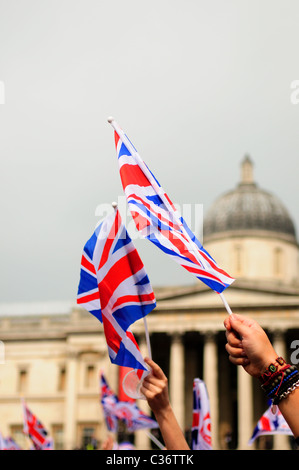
114,205
110,119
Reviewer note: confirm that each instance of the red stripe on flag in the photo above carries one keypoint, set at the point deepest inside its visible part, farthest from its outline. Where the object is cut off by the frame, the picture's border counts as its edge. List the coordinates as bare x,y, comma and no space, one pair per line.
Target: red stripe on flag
265,423
195,420
132,174
131,337
110,239
112,337
121,270
88,298
86,264
140,221
213,265
116,138
203,273
134,298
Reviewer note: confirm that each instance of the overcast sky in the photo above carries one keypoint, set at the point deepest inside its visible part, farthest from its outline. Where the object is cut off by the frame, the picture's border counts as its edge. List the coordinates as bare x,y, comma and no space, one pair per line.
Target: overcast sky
195,84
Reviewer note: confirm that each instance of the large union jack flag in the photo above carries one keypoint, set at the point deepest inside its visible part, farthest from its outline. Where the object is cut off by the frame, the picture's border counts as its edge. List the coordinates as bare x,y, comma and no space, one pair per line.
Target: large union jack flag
201,420
34,429
115,288
270,423
159,221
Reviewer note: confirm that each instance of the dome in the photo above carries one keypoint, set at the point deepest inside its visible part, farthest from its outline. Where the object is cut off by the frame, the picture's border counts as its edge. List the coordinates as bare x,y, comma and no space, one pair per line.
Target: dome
248,208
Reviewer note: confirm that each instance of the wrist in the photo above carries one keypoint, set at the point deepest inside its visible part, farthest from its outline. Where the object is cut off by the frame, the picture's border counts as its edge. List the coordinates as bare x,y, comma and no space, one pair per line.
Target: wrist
163,411
279,380
271,367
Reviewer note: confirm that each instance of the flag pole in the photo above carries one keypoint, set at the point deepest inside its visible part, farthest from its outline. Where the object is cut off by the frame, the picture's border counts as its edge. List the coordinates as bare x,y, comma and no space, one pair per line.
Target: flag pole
160,192
155,440
147,338
114,205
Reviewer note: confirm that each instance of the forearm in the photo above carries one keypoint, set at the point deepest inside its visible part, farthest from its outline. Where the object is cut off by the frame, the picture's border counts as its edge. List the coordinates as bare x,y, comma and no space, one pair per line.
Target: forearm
171,432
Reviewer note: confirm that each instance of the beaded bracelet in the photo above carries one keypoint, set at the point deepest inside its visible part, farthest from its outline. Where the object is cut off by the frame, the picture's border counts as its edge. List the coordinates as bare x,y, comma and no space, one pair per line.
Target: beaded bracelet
282,382
279,382
272,369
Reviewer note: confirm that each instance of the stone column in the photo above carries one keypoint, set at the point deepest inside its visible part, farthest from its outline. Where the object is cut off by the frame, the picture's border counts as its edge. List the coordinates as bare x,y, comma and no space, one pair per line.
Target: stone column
70,401
177,379
210,377
245,409
281,441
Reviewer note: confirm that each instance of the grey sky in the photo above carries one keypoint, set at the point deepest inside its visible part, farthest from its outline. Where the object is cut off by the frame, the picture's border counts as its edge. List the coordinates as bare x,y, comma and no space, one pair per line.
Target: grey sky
195,84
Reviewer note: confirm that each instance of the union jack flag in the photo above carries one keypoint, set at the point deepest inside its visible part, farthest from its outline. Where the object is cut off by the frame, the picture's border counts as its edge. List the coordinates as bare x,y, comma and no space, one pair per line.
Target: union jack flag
109,401
134,418
201,422
3,442
11,444
270,423
115,288
34,429
159,221
115,409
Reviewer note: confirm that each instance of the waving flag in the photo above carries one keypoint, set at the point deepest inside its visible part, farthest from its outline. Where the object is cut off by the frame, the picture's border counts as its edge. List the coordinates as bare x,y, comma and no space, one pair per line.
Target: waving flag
115,288
3,443
128,412
201,423
134,418
34,429
11,444
109,401
158,220
269,424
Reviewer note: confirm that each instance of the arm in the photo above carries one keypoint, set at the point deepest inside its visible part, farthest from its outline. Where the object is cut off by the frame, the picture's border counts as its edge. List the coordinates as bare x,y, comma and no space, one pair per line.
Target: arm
249,346
155,390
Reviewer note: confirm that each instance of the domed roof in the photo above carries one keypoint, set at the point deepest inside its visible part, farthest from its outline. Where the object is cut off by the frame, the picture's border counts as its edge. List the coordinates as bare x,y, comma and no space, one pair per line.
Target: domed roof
248,208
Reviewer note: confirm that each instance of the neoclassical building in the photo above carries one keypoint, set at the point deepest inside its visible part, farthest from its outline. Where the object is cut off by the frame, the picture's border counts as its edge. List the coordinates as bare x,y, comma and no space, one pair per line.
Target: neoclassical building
52,353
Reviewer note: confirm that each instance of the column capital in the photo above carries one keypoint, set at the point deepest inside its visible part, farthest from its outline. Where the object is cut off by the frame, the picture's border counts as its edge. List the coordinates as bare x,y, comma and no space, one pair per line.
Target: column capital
209,335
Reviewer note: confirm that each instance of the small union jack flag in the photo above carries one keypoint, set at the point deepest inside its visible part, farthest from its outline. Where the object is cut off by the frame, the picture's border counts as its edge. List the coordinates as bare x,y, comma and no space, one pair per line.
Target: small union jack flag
109,401
201,423
159,221
128,412
270,423
134,418
34,429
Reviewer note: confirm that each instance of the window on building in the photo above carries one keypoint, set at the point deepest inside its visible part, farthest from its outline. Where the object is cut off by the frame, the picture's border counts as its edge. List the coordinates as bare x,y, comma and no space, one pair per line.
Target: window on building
22,380
88,440
238,254
19,437
61,379
90,375
57,434
278,269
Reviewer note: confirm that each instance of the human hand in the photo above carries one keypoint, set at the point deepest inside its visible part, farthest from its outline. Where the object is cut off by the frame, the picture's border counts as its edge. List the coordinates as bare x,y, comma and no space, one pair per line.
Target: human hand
248,345
155,388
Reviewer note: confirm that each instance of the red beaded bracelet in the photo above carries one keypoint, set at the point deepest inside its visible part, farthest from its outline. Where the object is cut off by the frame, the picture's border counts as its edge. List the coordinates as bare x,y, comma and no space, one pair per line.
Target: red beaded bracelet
272,370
